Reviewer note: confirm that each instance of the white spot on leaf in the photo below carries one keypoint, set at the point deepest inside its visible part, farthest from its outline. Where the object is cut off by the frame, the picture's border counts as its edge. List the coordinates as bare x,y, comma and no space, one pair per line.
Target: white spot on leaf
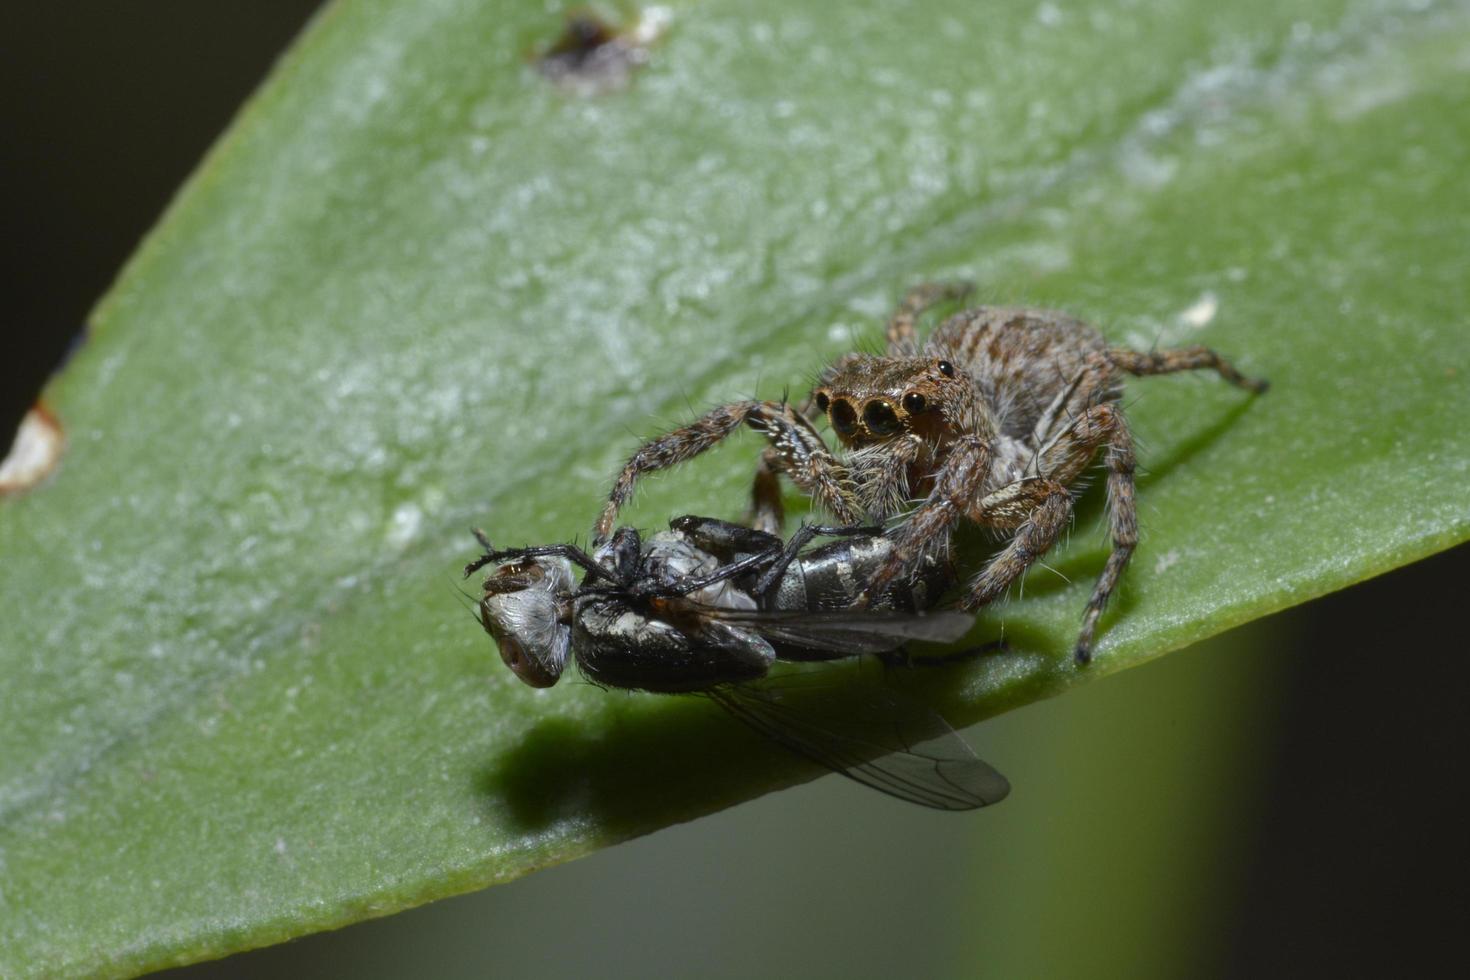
1201,311
34,453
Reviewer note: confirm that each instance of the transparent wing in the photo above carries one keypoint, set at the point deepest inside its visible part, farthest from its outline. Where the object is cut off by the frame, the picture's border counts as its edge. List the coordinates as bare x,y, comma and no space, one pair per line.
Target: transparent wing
874,735
849,631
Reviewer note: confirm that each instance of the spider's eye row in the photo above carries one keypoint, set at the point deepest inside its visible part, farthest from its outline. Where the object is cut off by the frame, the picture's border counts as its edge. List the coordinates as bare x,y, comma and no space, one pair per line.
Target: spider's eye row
946,369
822,401
914,403
880,418
844,419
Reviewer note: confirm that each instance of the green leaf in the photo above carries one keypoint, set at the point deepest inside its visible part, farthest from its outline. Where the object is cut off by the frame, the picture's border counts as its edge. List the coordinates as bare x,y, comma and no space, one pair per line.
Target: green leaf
417,287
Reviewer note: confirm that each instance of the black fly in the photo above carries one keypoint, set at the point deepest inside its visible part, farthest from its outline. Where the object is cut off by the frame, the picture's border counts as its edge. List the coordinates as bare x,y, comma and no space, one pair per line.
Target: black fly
708,607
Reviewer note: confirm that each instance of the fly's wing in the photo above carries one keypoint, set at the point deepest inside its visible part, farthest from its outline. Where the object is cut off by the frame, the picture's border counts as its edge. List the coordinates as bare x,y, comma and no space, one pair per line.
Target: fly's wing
874,735
848,631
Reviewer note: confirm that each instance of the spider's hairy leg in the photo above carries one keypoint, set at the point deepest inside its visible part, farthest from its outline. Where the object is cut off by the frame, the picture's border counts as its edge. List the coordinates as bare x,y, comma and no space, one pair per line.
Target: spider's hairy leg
1037,509
882,475
902,341
766,510
1105,423
668,450
1063,457
799,452
959,481
1072,443
1182,359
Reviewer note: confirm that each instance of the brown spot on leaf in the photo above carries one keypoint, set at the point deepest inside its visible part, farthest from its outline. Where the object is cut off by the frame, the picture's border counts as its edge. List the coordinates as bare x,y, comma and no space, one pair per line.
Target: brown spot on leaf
592,56
35,452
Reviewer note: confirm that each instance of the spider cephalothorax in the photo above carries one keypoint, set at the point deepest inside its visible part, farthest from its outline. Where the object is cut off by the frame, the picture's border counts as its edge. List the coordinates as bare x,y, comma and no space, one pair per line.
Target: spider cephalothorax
992,421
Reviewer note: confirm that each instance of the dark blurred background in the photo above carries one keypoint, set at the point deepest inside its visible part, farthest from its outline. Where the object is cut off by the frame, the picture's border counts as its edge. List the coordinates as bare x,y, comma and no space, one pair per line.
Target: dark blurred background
1285,800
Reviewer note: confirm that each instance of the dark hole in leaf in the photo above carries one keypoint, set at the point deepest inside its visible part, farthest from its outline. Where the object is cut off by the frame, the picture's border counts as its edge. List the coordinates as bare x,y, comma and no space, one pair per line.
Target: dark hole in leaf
592,56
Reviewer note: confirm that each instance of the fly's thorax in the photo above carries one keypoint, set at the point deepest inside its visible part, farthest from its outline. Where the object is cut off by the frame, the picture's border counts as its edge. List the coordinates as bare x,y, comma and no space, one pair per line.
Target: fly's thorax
621,553
672,558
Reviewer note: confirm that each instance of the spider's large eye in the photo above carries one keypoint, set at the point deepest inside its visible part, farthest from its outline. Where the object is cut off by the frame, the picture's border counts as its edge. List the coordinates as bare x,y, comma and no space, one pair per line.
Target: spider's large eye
822,401
844,419
946,369
880,418
914,403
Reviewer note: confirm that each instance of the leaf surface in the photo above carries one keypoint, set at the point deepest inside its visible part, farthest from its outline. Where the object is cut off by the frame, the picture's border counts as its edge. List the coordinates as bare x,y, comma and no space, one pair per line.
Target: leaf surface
416,287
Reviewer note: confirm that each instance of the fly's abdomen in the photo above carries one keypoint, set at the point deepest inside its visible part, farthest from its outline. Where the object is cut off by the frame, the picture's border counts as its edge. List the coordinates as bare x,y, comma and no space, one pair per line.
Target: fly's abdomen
832,576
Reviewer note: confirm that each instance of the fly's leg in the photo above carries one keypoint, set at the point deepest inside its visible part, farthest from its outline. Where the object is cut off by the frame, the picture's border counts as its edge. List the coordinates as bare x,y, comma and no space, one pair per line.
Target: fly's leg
771,578
957,483
902,341
570,552
1182,359
693,583
738,549
800,453
725,539
1037,509
755,549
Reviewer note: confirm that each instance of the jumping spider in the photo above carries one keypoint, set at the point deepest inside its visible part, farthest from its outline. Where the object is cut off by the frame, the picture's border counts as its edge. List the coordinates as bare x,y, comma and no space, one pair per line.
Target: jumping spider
993,420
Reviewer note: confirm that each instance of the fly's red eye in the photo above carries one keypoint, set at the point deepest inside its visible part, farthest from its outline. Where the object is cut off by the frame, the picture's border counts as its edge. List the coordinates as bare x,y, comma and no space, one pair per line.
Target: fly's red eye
946,369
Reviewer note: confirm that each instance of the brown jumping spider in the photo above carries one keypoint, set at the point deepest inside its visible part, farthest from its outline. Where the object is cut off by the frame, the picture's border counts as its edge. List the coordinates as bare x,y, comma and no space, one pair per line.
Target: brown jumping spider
994,419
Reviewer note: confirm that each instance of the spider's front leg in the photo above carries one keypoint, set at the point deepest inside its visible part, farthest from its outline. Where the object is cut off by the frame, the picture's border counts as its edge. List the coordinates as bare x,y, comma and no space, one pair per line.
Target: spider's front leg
958,482
796,450
1036,509
882,475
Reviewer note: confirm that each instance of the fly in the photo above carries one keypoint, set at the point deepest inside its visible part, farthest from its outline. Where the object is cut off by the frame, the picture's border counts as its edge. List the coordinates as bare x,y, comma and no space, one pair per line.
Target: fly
708,607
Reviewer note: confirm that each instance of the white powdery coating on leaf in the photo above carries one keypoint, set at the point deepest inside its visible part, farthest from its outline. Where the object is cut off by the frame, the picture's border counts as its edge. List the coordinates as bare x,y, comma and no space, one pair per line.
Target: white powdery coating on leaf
1166,561
651,25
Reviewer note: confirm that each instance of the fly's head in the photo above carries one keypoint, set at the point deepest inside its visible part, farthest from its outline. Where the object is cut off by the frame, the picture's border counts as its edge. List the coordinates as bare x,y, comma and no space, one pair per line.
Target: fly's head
526,607
870,400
